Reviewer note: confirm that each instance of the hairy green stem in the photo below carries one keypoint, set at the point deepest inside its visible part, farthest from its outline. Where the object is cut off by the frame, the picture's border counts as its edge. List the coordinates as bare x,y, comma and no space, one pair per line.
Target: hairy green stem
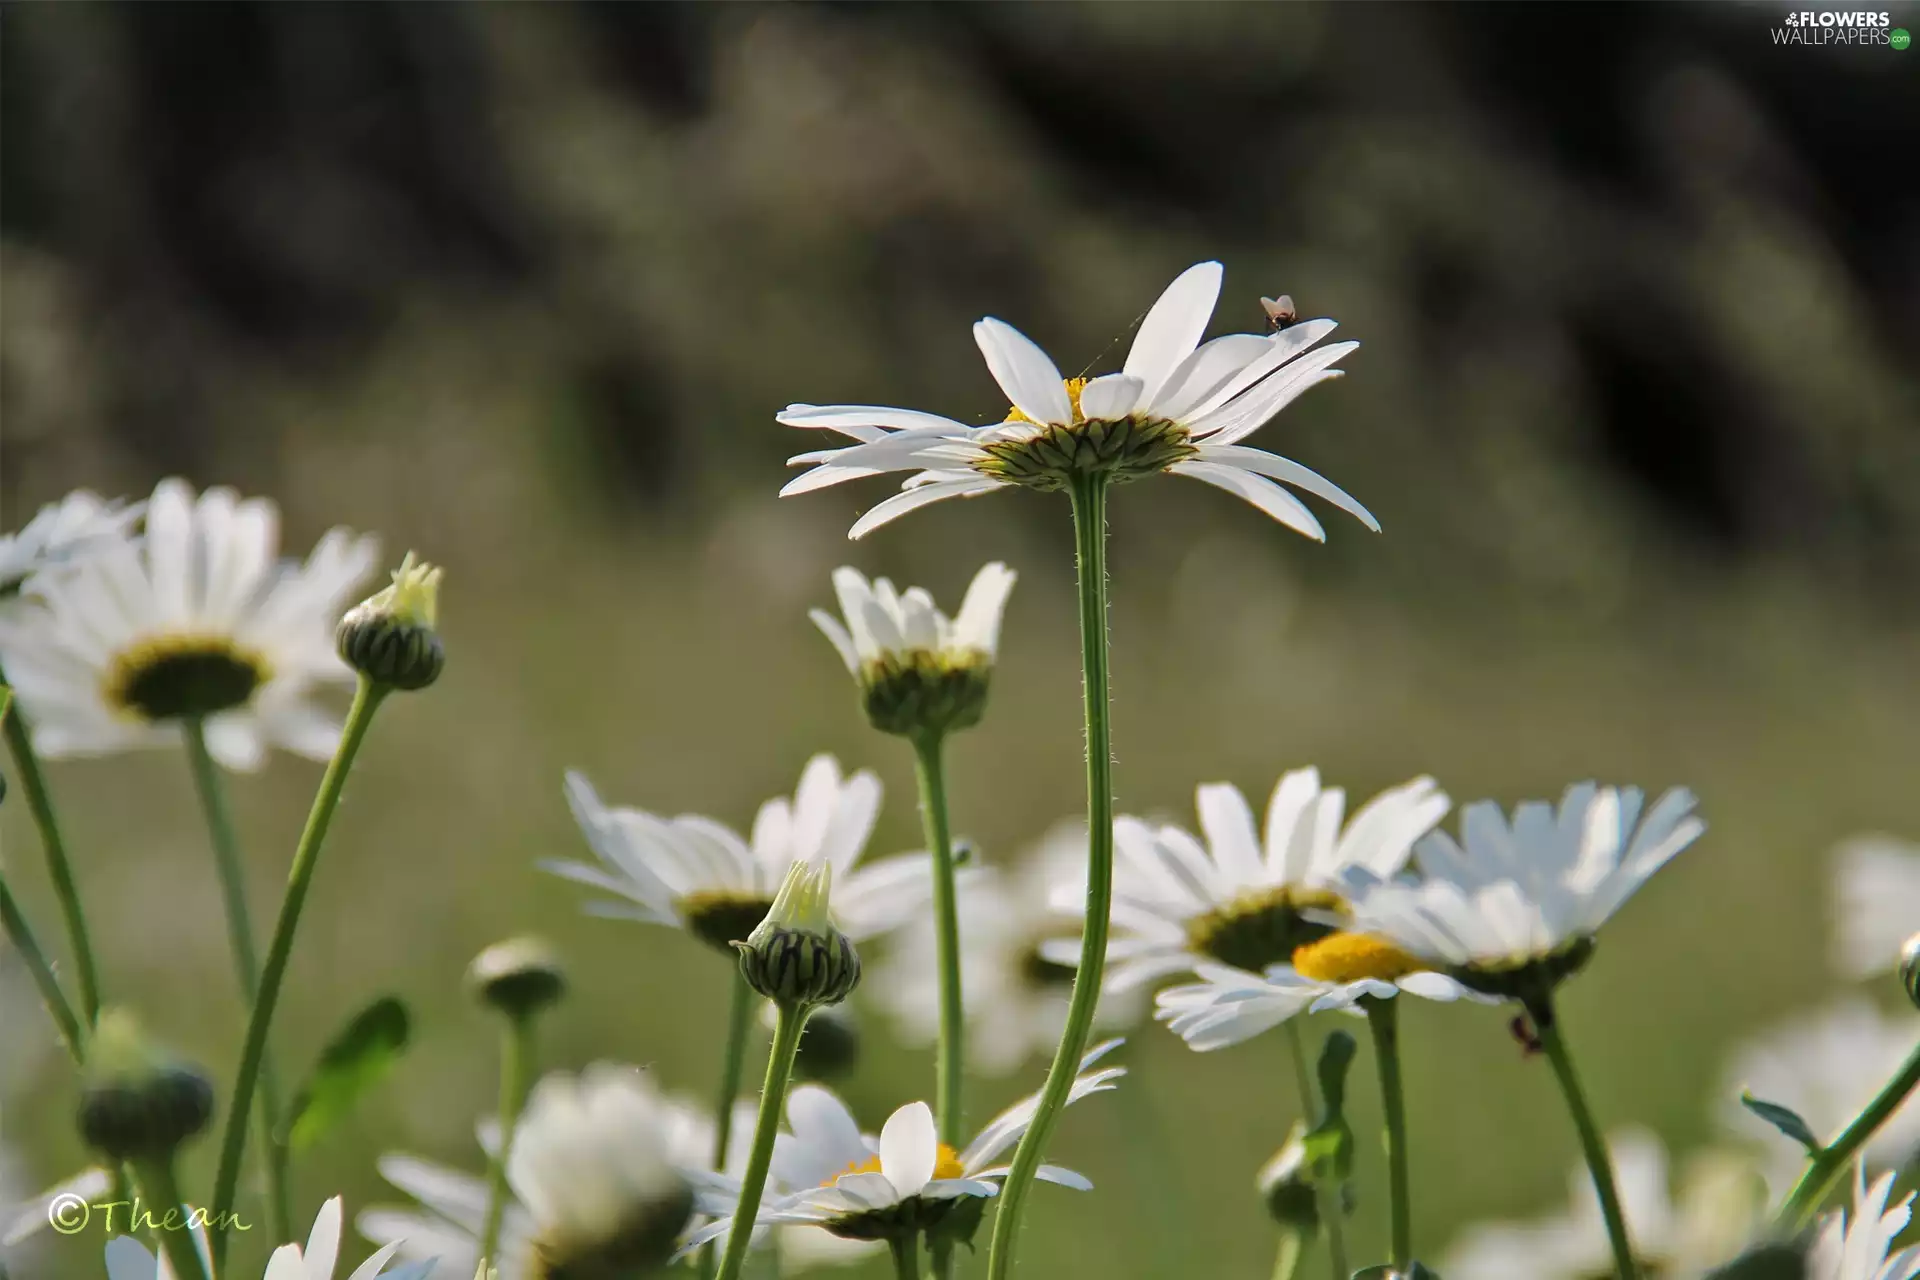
231,872
516,1077
176,1241
1832,1161
787,1027
950,1052
1592,1145
20,934
1326,1198
732,1068
1089,493
1383,1021
59,870
306,857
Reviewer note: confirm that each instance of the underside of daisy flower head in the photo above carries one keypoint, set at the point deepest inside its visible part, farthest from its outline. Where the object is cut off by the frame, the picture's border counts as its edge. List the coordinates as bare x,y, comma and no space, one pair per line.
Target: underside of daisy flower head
1178,405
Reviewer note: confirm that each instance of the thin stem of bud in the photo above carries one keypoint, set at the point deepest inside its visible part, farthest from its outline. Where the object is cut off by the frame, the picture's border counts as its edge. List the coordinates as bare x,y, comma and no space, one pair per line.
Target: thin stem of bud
1592,1145
732,1068
516,1077
791,1021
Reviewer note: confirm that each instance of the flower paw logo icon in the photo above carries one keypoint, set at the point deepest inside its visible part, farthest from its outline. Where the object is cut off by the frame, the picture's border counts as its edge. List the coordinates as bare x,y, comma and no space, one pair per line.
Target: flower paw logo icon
1899,38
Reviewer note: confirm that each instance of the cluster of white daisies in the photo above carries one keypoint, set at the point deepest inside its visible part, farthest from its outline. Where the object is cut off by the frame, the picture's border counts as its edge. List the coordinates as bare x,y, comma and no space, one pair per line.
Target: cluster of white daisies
134,625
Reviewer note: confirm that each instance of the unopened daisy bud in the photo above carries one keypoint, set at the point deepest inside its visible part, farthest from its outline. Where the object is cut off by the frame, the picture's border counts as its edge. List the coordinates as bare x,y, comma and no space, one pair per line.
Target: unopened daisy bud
518,977
1286,1184
920,673
390,638
1910,968
795,957
137,1103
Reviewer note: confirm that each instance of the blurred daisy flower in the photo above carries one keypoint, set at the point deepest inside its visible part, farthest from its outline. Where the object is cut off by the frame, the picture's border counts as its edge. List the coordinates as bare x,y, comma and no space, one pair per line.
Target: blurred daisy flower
1854,1246
695,874
1876,903
1246,898
919,671
60,534
1511,908
1177,405
905,1181
1719,1206
128,1259
1016,998
1826,1067
199,619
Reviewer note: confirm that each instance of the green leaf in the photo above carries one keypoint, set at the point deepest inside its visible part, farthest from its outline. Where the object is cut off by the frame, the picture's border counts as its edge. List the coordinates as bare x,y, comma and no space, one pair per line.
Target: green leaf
1768,1262
1336,1058
357,1058
1330,1150
1785,1119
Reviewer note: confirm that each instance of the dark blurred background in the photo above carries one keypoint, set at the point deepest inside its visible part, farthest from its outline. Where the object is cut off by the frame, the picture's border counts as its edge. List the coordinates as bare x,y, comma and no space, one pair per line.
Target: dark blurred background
522,285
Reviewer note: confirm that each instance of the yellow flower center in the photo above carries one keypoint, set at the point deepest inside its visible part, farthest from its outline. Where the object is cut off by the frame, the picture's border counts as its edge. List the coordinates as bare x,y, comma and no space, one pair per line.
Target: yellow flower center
1074,387
1351,957
946,1164
181,675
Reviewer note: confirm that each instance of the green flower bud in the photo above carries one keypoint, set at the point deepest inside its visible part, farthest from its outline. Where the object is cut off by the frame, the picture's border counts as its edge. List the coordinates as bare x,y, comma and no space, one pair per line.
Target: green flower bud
1286,1185
518,977
1910,968
390,638
138,1104
795,957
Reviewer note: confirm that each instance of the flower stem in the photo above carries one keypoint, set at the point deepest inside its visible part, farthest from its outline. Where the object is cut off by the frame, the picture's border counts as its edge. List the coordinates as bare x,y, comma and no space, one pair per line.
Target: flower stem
20,934
59,870
516,1075
233,1143
787,1027
1327,1198
1832,1161
163,1191
903,1249
1382,1019
732,1068
950,1054
1089,493
233,893
1287,1262
1592,1145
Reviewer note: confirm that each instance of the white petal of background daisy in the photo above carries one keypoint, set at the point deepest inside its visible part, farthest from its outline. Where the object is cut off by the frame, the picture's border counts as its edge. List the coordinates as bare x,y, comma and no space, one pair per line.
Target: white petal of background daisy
855,1185
1826,1066
1016,999
1512,898
1854,1246
198,618
1876,908
1719,1206
693,873
60,534
1241,898
128,1259
1177,405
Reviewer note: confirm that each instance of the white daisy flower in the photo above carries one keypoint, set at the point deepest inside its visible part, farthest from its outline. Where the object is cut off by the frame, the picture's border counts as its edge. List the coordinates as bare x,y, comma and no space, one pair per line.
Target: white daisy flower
1177,405
1719,1207
24,1215
451,1205
1230,1005
1855,1248
1826,1066
1513,906
693,873
1242,899
197,619
1876,908
864,1188
1016,998
918,670
128,1259
60,534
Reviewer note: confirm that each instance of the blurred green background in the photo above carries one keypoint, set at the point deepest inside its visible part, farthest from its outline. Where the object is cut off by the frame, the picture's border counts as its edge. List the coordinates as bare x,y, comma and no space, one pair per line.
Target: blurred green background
521,287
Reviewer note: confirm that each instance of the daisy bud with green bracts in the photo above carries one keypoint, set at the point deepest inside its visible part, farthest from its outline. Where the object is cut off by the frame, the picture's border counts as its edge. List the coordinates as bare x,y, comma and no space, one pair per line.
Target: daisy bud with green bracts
390,638
1910,968
1286,1186
795,957
920,673
518,977
138,1103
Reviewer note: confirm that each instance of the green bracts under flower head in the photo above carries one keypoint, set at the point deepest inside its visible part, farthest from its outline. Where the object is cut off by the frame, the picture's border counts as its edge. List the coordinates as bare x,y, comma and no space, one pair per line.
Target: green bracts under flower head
795,957
138,1104
391,637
